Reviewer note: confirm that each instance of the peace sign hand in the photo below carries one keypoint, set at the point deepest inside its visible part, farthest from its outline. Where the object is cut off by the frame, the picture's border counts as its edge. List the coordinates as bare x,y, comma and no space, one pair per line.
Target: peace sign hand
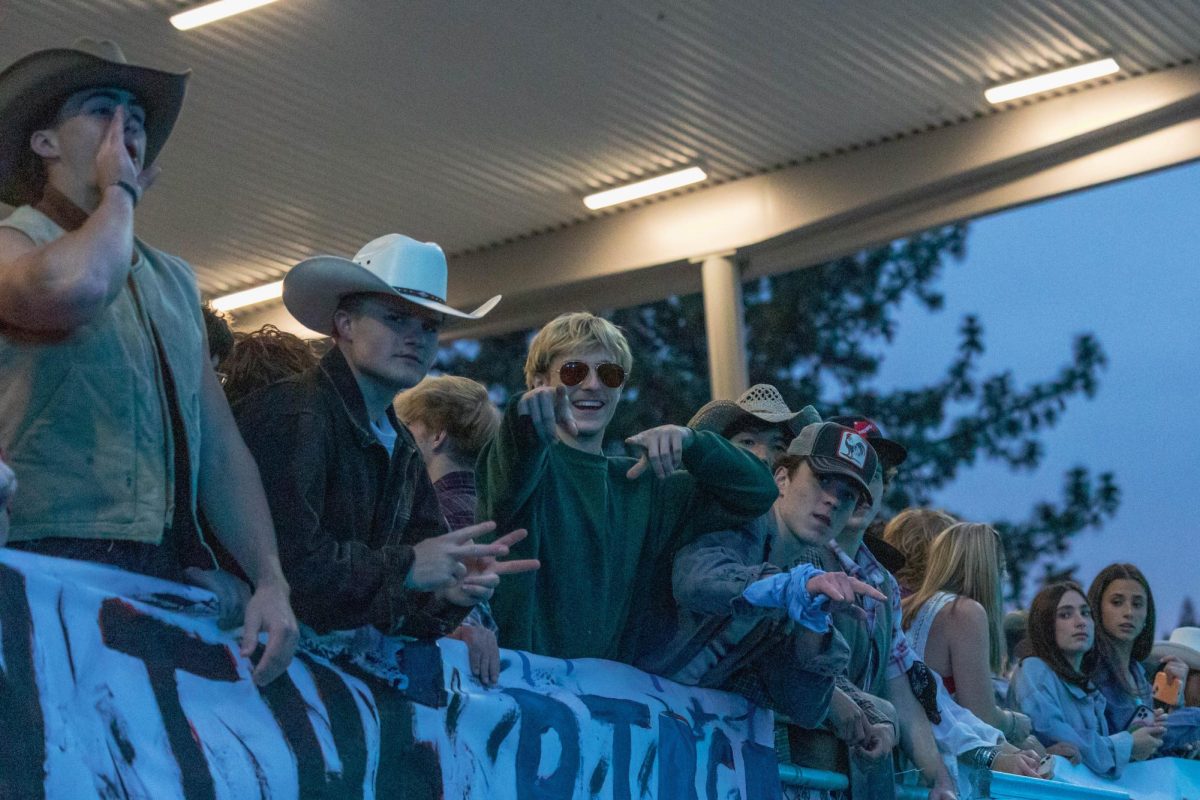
482,574
438,561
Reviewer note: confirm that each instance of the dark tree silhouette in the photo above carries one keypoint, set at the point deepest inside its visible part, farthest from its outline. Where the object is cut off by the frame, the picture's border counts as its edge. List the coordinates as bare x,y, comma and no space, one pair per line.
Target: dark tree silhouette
1187,614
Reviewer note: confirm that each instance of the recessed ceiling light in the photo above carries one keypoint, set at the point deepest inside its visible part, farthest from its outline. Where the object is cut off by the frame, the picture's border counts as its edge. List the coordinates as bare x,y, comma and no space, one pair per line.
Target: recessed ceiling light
211,12
634,191
259,294
1051,80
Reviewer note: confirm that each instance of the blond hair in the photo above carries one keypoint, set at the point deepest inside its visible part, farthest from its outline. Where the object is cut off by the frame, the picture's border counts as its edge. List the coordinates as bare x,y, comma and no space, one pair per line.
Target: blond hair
572,332
911,531
966,559
459,406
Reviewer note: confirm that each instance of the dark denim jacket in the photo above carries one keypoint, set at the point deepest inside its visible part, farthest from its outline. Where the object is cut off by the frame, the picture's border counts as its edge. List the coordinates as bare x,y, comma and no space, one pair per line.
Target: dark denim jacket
768,658
346,515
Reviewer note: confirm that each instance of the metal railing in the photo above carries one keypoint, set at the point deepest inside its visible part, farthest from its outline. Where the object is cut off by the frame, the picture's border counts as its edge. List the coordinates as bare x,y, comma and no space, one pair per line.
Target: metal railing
794,775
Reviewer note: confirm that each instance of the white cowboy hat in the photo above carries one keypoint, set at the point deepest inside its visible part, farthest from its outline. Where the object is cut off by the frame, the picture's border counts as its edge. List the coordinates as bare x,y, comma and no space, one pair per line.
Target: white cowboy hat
1184,643
393,264
34,88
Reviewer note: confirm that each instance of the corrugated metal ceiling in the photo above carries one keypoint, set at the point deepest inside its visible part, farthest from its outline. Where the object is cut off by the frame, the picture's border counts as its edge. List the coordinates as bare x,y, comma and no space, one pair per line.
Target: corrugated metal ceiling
315,125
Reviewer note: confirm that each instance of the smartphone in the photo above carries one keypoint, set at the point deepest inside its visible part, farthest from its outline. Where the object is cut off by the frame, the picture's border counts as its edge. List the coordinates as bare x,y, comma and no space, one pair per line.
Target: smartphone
1046,765
1141,717
1167,689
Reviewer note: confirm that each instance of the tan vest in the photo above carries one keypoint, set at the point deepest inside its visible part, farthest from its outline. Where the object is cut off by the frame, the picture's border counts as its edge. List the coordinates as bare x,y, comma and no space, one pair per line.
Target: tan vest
85,422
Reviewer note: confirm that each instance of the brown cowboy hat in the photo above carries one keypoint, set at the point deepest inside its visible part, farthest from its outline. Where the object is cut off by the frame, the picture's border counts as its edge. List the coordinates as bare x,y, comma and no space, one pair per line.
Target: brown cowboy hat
34,88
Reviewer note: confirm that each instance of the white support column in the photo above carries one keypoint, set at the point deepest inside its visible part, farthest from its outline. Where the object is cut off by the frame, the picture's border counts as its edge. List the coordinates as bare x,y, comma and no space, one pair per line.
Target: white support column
723,324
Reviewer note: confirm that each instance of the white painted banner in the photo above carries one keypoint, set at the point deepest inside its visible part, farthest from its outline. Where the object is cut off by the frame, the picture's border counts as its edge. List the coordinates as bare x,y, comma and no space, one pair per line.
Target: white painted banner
116,685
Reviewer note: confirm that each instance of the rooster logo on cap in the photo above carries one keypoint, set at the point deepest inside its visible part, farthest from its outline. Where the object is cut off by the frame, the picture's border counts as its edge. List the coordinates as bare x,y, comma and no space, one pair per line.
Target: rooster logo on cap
853,449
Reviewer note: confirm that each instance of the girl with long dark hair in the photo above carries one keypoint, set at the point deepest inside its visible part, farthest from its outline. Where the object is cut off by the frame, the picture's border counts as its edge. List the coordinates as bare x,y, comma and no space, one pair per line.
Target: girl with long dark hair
1053,686
1125,621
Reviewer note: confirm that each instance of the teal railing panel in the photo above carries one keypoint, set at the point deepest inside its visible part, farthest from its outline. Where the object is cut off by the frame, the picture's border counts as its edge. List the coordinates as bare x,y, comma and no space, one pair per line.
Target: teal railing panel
1156,779
1015,787
793,775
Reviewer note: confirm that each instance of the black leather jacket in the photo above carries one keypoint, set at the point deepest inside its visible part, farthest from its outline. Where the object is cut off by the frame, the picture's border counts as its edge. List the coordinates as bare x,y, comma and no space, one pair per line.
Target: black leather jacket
346,515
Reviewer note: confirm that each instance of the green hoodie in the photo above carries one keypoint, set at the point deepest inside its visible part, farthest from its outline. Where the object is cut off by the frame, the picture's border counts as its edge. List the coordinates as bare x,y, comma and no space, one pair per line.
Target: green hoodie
606,542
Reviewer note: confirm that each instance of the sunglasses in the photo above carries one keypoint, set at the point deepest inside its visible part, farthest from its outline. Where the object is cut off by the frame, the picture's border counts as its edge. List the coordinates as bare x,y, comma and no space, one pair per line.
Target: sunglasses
573,373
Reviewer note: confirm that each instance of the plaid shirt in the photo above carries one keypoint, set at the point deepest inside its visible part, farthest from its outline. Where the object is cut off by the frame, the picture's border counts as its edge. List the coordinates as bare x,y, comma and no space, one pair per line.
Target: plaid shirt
868,570
456,497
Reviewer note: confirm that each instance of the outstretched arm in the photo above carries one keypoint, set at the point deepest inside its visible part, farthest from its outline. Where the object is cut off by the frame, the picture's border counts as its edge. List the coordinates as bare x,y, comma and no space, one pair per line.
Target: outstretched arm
710,574
512,463
731,486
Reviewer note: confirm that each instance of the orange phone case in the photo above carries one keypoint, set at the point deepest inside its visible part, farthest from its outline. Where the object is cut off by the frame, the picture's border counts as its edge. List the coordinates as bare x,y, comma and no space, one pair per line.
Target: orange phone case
1166,689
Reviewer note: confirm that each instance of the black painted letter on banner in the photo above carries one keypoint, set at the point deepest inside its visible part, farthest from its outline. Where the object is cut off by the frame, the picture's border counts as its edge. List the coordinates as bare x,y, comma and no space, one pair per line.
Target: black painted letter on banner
23,756
163,648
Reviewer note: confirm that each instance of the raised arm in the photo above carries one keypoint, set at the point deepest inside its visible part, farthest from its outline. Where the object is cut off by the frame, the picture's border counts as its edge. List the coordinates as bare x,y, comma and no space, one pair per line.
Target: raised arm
512,463
63,285
1165,650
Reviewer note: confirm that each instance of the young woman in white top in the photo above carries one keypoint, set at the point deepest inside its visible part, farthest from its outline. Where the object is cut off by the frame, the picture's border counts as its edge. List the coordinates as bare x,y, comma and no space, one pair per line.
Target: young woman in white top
958,613
952,620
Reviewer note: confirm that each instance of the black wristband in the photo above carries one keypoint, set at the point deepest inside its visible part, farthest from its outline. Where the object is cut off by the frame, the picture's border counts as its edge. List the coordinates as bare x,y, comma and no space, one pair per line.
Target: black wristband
984,757
133,193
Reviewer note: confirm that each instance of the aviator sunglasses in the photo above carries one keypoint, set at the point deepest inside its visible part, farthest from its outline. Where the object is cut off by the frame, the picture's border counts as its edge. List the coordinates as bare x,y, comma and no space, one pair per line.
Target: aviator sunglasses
573,373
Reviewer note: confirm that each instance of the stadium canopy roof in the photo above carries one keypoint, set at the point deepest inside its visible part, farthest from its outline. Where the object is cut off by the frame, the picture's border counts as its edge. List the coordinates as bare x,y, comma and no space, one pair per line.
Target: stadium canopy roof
312,126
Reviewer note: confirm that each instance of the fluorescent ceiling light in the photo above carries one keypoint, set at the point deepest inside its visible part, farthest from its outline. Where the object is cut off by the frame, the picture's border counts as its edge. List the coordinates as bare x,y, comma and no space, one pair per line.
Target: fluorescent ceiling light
663,183
1051,81
211,12
259,294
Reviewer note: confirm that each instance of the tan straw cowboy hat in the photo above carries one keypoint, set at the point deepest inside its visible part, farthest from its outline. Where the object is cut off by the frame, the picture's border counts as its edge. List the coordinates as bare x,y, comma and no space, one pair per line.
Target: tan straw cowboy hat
33,89
761,401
